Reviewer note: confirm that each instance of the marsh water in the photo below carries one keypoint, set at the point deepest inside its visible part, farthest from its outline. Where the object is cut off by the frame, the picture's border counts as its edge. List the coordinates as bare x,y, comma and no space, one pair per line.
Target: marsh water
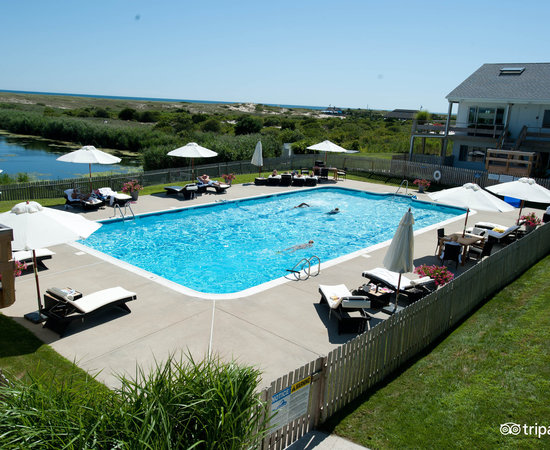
38,158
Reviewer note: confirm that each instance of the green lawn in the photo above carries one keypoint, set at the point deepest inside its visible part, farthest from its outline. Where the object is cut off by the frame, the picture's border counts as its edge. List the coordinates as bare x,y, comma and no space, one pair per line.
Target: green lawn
492,369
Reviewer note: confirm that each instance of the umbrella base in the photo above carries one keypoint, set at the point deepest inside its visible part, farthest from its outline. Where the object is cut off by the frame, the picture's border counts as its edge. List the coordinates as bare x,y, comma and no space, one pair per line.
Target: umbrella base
35,317
391,309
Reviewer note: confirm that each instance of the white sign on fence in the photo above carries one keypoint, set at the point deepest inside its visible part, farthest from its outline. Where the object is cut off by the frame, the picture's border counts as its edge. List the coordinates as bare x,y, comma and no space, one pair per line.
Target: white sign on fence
290,403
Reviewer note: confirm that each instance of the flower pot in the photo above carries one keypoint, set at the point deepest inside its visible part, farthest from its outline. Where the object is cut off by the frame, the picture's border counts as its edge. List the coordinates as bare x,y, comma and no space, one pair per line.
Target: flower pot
529,228
420,189
134,195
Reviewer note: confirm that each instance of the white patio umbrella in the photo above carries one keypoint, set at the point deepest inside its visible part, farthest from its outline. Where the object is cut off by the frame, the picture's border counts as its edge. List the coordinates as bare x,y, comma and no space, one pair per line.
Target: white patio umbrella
524,189
471,196
35,227
89,155
192,150
257,157
399,257
327,146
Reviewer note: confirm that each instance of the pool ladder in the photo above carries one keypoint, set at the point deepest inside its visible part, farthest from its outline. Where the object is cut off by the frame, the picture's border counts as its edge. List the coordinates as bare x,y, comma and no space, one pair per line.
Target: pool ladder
118,208
304,266
406,183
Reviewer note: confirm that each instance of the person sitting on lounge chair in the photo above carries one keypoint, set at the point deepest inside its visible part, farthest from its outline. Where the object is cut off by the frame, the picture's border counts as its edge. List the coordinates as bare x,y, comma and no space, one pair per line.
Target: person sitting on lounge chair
77,195
205,179
274,173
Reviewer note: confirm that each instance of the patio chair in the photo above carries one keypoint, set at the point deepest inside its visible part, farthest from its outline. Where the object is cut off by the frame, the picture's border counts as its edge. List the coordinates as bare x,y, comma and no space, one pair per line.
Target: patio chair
440,236
349,309
452,251
25,256
62,308
260,181
92,203
324,173
299,181
220,188
480,251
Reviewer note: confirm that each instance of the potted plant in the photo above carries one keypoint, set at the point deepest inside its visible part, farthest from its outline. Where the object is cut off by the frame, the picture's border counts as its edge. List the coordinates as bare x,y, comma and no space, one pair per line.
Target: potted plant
440,274
132,188
531,221
422,184
228,178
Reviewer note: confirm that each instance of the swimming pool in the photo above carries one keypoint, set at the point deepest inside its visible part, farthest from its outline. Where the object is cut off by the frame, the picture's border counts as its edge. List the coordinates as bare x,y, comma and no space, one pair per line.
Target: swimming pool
230,247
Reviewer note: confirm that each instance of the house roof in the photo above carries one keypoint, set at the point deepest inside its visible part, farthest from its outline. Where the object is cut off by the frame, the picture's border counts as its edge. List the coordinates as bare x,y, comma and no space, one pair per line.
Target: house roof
506,82
404,114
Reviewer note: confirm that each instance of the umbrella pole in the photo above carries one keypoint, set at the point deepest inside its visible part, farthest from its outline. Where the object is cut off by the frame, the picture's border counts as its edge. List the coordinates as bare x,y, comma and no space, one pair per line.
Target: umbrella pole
35,317
520,208
397,291
465,221
90,167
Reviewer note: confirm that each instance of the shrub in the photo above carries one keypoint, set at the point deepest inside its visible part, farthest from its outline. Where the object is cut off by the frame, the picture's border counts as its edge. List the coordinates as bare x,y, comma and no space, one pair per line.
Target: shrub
127,114
248,125
211,125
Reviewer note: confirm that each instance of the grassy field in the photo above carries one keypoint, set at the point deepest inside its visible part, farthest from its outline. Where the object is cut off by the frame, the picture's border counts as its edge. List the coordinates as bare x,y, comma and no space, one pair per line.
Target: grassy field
493,369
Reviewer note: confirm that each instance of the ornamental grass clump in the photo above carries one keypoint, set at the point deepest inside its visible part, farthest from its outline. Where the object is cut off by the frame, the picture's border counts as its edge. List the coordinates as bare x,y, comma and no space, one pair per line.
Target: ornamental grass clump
208,404
440,274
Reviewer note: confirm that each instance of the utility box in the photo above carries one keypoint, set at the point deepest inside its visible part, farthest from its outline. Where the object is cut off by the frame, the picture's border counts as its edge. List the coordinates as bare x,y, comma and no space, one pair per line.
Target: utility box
7,267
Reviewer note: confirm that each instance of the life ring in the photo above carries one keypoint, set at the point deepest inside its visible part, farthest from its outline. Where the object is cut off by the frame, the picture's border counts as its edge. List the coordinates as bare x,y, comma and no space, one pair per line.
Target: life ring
437,175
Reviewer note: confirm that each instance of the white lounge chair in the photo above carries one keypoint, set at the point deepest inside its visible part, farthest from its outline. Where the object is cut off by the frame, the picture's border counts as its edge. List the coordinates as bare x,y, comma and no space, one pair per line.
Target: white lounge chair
25,256
348,308
63,308
114,197
508,233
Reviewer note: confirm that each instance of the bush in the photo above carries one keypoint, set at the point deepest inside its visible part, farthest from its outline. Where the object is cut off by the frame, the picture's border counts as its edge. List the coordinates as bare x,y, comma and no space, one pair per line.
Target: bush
248,125
211,125
127,114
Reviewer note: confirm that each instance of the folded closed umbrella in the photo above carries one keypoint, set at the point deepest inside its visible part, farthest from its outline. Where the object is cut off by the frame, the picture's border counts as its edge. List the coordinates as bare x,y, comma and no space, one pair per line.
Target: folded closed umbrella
400,254
35,227
257,157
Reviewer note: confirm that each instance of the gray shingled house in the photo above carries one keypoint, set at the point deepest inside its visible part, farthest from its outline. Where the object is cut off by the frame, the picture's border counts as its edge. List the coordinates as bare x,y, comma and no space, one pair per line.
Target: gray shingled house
503,120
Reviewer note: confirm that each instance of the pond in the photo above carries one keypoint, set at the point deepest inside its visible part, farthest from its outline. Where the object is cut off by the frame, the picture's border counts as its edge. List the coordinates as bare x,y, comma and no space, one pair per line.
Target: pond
38,158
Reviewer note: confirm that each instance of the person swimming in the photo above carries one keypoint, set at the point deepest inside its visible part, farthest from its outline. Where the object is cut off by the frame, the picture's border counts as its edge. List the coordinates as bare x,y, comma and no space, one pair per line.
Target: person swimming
334,211
298,247
302,205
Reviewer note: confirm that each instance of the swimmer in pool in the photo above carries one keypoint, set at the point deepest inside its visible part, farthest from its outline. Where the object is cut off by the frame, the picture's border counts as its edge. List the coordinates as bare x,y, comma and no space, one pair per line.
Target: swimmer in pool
298,247
302,205
334,211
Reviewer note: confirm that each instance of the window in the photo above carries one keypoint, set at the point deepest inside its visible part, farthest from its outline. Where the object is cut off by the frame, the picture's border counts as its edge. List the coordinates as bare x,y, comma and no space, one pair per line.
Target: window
546,119
511,70
481,115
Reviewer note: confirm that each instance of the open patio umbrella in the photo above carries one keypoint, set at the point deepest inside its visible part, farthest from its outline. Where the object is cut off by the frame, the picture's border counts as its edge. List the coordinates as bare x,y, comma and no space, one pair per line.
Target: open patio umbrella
257,157
524,189
89,155
35,227
192,150
399,257
471,196
327,146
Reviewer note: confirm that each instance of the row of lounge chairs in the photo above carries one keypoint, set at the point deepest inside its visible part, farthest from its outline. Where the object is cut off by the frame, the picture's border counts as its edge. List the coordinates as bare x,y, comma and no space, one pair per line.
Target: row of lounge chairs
189,191
354,309
287,179
97,199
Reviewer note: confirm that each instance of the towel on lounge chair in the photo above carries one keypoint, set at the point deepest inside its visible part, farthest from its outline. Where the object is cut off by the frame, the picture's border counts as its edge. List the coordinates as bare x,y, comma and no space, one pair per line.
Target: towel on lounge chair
385,277
348,308
89,203
65,308
114,197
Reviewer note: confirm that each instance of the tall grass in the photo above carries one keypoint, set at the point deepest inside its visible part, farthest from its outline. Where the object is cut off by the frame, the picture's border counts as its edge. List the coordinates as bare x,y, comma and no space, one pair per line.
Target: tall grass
182,404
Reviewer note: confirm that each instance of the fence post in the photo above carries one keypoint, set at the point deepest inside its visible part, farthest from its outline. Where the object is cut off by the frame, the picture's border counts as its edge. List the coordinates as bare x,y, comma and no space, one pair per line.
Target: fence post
318,396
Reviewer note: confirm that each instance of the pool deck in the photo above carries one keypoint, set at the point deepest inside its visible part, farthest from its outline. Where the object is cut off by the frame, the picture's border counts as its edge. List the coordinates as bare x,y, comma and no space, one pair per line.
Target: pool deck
277,330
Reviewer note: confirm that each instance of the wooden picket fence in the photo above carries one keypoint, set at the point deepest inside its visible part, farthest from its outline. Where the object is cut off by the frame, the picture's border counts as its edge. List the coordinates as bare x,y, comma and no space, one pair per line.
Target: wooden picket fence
350,370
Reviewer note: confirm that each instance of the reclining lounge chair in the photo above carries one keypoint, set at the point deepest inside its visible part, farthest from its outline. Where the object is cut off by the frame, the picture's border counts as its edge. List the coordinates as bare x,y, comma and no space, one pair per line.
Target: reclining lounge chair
348,308
509,234
91,203
25,256
62,308
411,288
188,191
113,197
220,188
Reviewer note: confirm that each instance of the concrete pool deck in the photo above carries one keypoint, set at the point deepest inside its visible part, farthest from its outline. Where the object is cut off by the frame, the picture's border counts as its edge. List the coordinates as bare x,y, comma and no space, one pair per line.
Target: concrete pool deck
277,330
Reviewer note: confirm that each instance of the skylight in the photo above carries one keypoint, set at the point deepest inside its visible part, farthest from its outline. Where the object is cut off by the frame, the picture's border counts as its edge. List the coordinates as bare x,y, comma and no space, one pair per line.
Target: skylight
511,70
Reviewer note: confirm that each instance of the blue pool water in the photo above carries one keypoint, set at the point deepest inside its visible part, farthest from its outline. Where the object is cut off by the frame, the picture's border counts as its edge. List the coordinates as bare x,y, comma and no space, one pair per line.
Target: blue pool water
231,246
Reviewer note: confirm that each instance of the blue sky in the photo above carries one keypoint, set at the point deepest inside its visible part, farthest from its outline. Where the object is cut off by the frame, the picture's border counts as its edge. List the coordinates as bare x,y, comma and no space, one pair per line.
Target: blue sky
361,54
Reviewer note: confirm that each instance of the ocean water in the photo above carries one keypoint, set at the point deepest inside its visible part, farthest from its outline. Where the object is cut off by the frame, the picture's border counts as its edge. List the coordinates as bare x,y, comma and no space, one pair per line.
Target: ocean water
154,99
